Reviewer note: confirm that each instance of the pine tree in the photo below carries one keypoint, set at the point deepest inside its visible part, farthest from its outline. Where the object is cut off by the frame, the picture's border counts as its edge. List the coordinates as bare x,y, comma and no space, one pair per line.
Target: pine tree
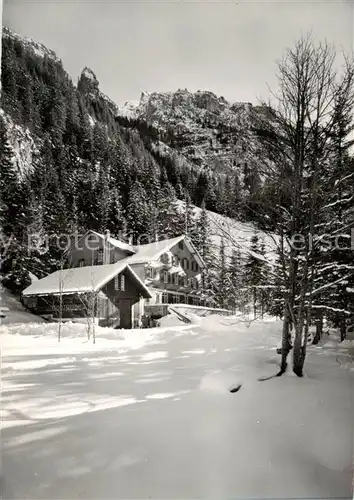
254,268
235,283
189,218
203,244
9,80
138,215
167,214
150,179
10,202
222,278
103,199
116,220
235,206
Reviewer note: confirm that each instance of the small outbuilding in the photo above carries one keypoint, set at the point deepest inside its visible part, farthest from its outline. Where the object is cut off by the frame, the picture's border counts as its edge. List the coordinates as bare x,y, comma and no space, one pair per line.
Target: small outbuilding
105,293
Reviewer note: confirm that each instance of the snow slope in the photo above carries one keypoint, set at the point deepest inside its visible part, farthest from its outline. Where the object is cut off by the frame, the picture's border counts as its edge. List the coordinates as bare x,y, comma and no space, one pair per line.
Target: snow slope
148,414
237,235
16,312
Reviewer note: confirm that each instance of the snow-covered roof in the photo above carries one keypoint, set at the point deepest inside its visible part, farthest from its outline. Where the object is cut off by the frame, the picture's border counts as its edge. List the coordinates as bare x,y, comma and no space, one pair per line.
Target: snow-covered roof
114,242
143,254
153,251
81,280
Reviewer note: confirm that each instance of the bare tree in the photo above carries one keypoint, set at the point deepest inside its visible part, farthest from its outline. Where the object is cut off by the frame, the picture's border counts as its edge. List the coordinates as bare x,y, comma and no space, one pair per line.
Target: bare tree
297,137
90,302
56,301
297,141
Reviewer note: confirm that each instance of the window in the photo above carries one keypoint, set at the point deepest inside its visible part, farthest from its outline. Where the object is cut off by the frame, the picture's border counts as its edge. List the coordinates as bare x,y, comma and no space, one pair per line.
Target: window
152,273
185,281
191,283
32,302
174,260
81,262
119,282
100,256
149,272
176,279
164,298
185,263
180,245
165,277
164,258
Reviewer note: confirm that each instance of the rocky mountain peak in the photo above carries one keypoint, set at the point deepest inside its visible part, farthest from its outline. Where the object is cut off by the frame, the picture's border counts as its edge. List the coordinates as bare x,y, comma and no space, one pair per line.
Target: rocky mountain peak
36,47
88,82
206,129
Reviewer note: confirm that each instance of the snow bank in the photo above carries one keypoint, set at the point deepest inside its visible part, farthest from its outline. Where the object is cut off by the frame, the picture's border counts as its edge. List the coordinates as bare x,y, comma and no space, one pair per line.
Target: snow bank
43,337
93,414
170,320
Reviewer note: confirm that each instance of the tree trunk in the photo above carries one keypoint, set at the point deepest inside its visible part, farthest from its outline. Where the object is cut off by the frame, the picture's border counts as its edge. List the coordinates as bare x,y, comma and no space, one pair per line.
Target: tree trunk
254,303
343,329
307,322
93,332
60,315
299,349
299,342
262,304
286,341
319,330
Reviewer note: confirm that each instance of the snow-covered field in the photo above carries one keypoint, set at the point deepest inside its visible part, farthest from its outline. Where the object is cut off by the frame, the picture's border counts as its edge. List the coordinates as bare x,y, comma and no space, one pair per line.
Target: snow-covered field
148,414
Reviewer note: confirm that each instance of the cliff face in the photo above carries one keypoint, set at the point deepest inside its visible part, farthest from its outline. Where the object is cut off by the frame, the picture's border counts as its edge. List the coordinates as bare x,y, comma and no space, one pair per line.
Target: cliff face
207,130
23,146
36,48
88,85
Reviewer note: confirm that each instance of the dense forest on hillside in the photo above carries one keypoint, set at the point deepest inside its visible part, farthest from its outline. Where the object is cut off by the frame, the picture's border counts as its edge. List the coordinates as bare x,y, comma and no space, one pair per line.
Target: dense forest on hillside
91,168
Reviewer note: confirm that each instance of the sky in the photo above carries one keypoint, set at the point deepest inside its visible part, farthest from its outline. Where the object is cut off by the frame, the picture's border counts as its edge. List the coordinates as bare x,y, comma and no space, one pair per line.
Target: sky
228,47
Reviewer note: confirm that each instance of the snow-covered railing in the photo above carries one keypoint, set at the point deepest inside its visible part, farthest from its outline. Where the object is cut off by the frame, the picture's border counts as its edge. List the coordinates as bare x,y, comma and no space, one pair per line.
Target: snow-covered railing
203,308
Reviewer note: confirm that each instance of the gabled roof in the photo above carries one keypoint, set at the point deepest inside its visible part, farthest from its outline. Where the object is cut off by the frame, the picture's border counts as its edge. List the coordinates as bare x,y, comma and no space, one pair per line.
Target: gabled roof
153,251
82,280
113,241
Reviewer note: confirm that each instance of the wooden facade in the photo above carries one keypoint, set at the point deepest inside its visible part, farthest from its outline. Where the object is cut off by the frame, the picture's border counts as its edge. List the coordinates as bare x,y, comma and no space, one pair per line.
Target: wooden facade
112,305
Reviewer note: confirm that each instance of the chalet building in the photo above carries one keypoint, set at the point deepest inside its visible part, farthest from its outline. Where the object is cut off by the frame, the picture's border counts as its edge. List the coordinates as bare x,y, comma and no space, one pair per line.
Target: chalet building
107,294
131,282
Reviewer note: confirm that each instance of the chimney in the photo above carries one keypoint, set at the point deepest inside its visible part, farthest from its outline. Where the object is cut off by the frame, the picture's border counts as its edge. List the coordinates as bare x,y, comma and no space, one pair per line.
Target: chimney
106,248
